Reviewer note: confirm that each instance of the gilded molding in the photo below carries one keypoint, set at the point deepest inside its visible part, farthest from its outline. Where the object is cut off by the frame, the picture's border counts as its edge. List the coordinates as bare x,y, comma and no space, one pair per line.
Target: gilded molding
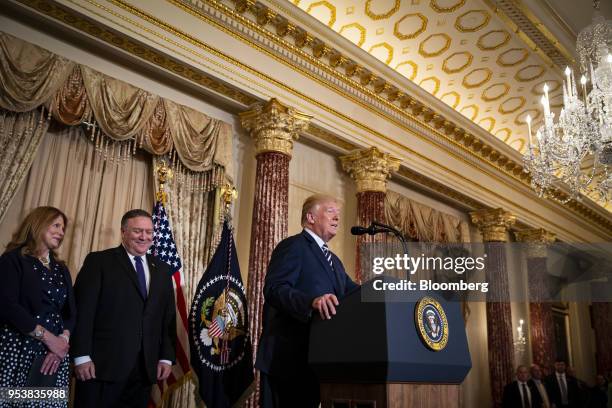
274,126
537,239
493,223
370,168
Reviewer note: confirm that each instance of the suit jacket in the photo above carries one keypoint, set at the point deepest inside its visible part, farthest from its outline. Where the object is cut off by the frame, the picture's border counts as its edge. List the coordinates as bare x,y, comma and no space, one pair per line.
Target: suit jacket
21,293
554,392
512,396
298,273
115,323
544,398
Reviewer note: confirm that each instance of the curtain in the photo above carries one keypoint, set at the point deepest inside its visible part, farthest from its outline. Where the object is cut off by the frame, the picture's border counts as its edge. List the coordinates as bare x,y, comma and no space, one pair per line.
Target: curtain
20,135
70,174
114,111
423,223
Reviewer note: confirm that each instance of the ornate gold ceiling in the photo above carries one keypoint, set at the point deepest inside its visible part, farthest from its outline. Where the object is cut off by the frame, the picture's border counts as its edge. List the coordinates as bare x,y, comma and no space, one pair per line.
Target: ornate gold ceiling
458,50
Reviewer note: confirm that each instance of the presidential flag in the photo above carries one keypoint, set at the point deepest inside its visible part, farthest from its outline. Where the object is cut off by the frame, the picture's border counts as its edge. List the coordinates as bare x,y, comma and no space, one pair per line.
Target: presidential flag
218,330
164,248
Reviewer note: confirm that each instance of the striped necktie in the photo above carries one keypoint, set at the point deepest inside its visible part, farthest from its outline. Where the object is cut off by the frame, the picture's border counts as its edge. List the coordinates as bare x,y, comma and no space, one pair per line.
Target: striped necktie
327,254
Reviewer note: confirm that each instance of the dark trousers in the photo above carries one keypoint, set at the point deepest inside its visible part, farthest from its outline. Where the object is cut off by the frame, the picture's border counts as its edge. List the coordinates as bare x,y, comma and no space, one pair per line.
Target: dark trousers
289,392
133,392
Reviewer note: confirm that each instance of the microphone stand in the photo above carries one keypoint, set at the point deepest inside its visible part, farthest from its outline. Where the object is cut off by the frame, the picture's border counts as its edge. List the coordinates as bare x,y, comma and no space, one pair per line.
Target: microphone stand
395,232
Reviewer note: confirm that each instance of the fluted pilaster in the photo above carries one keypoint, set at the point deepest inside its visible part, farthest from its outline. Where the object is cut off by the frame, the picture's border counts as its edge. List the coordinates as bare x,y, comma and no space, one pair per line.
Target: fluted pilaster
493,225
541,329
370,168
274,127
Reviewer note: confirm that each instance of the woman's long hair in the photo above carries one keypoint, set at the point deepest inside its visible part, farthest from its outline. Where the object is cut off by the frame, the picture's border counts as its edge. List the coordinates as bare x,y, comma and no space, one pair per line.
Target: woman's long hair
30,232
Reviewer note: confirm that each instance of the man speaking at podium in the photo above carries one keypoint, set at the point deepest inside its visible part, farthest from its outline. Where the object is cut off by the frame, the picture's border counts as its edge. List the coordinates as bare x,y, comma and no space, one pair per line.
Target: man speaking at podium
303,277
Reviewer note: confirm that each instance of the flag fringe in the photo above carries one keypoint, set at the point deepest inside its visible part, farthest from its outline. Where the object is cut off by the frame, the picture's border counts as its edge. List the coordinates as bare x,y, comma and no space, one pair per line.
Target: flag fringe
187,376
245,395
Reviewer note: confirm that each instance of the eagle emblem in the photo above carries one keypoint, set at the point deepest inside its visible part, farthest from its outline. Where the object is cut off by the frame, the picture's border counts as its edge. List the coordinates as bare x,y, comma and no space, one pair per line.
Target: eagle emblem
223,319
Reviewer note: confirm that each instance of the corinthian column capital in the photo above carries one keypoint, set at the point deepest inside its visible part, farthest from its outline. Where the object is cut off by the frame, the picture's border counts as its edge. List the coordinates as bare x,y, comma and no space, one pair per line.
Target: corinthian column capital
370,168
274,126
537,239
493,223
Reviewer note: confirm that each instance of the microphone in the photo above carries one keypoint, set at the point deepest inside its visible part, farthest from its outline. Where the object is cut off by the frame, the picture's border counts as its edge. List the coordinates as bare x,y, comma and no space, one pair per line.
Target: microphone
358,230
371,230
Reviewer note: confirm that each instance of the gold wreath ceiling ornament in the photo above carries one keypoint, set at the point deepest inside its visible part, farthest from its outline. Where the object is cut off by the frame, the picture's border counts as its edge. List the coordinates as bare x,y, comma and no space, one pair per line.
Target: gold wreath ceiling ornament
323,8
493,40
434,45
457,62
414,69
446,6
375,9
410,26
529,73
473,20
512,57
495,92
476,78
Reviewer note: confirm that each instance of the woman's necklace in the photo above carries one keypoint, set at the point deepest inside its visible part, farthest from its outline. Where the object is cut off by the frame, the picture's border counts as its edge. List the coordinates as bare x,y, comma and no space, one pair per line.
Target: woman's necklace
45,261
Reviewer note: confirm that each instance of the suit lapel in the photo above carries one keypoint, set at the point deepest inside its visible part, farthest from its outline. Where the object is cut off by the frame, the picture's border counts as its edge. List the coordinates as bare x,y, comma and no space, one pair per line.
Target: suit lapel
154,278
128,268
318,253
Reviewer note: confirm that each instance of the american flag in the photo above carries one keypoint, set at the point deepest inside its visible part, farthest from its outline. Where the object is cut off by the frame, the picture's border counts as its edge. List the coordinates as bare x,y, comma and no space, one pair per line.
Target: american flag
164,248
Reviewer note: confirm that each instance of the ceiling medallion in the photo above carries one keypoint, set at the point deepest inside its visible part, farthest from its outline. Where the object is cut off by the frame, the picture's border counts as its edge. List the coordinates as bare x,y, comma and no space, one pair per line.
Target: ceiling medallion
432,38
487,42
438,6
415,24
495,92
471,80
472,21
515,103
383,15
529,73
452,68
412,64
512,57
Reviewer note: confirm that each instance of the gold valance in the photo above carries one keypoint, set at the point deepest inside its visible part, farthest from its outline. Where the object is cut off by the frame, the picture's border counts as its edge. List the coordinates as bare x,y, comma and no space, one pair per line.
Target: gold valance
423,223
31,76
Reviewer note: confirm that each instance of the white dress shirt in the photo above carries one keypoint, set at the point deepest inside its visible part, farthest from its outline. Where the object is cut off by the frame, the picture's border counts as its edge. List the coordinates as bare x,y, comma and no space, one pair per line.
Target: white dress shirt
145,265
317,238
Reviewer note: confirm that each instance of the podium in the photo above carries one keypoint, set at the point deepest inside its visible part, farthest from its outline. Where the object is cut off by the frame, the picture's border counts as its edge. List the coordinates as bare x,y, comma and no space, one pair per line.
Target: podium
371,353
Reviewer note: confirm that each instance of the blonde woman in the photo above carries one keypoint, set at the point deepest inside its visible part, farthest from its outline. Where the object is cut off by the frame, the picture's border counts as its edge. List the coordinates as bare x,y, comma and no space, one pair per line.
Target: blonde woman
37,310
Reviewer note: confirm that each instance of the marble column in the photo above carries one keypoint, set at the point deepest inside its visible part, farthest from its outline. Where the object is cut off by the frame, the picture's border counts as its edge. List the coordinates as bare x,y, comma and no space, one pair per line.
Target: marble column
370,168
541,328
273,127
494,225
602,324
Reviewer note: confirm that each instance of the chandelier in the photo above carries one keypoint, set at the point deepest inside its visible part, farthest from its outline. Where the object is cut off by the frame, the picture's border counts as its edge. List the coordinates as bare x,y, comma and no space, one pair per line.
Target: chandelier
576,150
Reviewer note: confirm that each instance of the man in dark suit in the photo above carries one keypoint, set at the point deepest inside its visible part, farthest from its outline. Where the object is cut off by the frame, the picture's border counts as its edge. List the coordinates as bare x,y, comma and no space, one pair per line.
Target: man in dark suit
562,389
521,394
538,384
125,333
303,277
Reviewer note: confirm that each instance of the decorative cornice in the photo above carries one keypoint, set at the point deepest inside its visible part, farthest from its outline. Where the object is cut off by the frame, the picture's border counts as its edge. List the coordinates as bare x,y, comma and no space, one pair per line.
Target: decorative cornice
493,223
537,239
154,57
274,126
527,26
370,168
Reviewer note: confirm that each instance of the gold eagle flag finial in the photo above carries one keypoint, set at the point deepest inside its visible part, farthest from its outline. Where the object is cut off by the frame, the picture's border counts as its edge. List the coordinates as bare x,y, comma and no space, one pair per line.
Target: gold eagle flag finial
228,195
163,173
